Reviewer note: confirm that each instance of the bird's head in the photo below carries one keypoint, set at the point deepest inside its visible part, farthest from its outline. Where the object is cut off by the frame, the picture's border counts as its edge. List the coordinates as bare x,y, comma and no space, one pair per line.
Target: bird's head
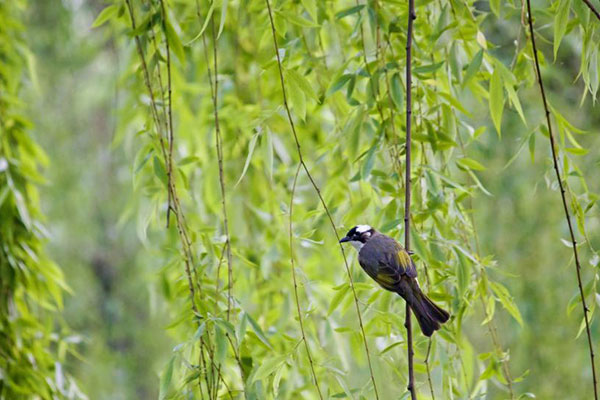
358,236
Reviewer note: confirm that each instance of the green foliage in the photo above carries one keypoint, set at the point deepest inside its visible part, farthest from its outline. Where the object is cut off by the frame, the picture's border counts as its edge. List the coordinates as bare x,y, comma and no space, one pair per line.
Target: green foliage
343,67
33,347
475,220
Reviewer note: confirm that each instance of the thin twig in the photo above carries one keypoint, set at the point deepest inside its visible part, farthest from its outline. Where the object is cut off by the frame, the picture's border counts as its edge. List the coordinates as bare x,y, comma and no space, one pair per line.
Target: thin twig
171,185
214,88
394,149
219,140
426,361
172,190
563,197
169,103
408,324
430,340
592,8
310,360
239,363
218,274
374,89
491,326
202,371
428,283
318,191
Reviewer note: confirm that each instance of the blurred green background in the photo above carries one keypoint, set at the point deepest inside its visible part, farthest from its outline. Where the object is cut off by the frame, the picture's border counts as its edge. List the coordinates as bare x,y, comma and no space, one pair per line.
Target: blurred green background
117,306
114,307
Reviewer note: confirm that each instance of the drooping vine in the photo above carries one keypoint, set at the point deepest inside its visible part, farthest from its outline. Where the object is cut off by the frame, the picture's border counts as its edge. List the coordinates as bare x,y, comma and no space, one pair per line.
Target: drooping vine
561,185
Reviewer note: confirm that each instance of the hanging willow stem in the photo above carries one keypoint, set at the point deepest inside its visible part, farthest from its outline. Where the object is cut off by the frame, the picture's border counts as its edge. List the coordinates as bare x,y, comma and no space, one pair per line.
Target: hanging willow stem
173,204
300,321
214,93
592,8
214,88
563,197
408,324
491,326
170,183
321,200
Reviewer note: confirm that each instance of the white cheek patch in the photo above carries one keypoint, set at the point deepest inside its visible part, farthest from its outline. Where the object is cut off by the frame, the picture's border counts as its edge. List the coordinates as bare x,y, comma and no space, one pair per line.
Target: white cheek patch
357,245
362,228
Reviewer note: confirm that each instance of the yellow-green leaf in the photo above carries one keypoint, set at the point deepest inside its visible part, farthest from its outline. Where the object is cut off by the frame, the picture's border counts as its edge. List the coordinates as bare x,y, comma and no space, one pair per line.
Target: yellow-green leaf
469,163
105,15
311,7
397,91
560,23
496,100
506,301
473,67
268,367
302,83
165,378
298,99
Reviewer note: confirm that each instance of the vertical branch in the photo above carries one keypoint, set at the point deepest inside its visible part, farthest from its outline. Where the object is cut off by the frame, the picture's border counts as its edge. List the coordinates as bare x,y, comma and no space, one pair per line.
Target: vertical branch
394,152
430,340
408,324
310,360
318,191
219,140
169,107
563,198
214,88
491,326
426,360
171,186
367,68
174,204
375,88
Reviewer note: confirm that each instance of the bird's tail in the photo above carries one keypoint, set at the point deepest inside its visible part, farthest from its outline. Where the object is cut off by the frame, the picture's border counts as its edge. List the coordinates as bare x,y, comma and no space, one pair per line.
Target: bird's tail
429,315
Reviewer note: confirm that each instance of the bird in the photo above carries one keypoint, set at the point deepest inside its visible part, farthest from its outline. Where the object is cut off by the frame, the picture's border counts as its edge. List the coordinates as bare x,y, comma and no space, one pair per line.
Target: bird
390,265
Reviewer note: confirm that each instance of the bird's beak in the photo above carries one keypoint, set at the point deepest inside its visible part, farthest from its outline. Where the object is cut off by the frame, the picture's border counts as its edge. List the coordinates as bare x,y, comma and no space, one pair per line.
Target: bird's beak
345,239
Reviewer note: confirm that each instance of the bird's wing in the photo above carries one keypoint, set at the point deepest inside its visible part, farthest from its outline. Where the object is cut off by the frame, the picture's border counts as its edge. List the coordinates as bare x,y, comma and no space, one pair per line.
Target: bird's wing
401,259
386,262
398,262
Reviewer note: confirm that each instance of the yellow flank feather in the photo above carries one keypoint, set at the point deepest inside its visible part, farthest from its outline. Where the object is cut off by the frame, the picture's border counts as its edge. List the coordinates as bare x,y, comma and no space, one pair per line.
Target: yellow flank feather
386,281
385,278
404,259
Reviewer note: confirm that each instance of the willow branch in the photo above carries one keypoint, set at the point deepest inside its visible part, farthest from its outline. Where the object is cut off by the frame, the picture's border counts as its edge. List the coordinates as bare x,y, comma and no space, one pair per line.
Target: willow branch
491,326
310,360
426,361
174,203
214,87
430,340
394,149
219,140
564,199
408,324
318,191
169,101
592,8
170,183
371,83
